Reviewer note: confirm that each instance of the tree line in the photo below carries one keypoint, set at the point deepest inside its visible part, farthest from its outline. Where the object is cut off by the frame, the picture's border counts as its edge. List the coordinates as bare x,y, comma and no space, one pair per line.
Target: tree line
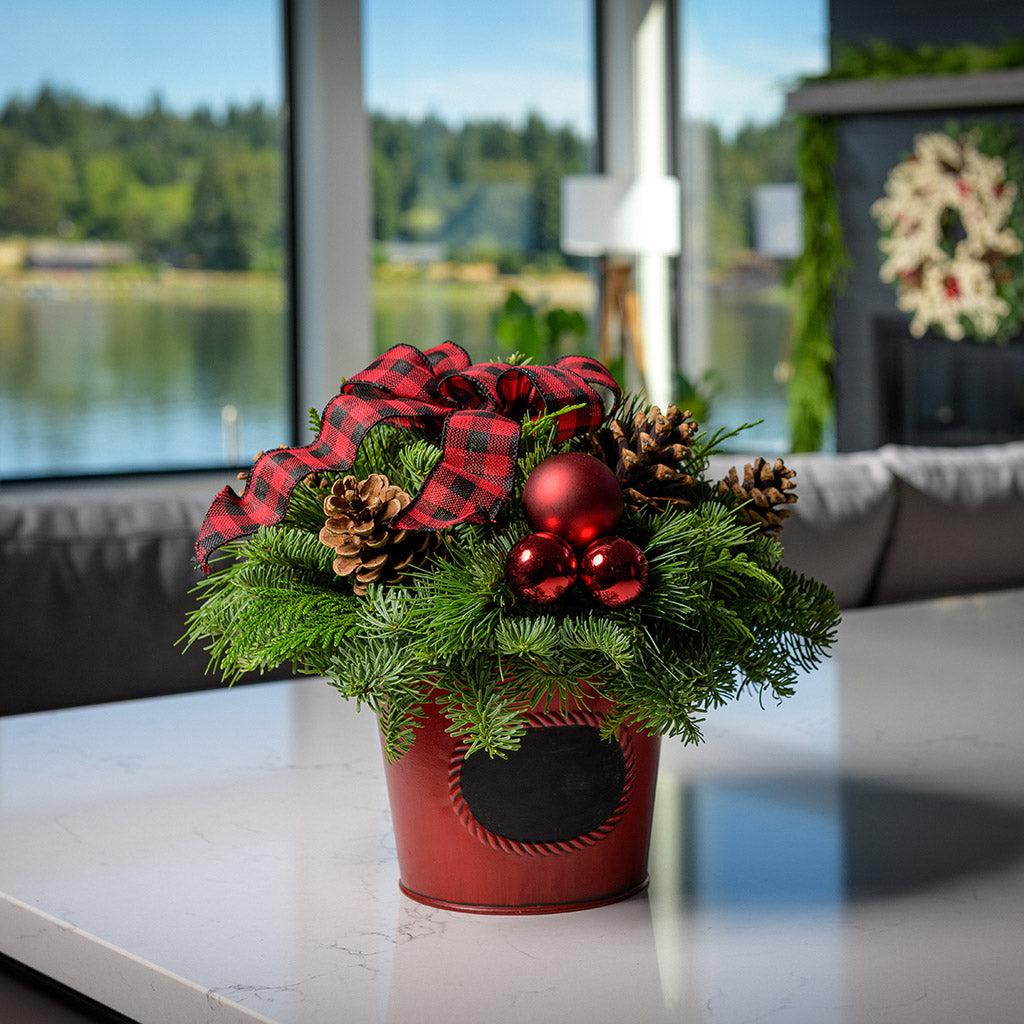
484,189
206,191
190,190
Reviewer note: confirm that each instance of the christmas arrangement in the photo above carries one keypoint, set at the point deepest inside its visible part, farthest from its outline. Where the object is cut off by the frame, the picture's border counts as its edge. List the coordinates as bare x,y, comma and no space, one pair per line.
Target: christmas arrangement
951,237
497,537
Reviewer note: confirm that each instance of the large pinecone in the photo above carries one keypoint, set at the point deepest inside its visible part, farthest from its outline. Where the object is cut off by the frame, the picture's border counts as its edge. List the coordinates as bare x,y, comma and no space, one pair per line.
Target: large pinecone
645,456
764,488
358,512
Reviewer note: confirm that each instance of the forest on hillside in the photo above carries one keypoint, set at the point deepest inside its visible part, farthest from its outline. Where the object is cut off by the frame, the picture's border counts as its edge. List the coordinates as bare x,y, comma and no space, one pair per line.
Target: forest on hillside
206,191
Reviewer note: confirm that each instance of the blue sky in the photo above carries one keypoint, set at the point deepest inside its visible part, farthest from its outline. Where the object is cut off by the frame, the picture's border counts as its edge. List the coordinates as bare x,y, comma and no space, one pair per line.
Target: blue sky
740,56
190,51
482,59
447,57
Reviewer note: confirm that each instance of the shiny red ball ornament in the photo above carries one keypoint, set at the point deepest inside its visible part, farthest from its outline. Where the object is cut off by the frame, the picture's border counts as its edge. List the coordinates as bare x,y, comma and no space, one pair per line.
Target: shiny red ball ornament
540,568
575,496
614,570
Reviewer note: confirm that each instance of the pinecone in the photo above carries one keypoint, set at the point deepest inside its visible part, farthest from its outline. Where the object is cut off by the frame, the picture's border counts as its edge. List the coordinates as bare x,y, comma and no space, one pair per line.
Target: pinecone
764,487
358,512
645,456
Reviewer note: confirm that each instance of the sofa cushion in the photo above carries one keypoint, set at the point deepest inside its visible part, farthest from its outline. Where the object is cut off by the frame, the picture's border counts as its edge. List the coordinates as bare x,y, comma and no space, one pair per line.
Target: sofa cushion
960,521
841,519
96,580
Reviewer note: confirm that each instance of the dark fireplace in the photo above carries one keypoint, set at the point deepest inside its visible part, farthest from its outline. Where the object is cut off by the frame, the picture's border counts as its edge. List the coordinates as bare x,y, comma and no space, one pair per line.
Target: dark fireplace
938,392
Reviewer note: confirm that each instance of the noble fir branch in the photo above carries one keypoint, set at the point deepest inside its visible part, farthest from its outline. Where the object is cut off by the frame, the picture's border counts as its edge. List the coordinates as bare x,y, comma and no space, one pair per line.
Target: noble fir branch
613,642
384,613
265,604
365,672
527,637
291,548
398,719
805,617
416,460
387,679
654,704
460,597
488,710
551,682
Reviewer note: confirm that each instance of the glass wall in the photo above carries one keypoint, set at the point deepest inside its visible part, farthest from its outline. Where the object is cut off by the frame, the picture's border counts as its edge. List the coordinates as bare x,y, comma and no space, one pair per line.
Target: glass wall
477,112
741,218
142,300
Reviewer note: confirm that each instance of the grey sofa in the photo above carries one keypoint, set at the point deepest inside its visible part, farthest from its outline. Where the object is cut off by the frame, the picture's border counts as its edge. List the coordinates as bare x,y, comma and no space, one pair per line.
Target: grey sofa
95,588
903,523
95,576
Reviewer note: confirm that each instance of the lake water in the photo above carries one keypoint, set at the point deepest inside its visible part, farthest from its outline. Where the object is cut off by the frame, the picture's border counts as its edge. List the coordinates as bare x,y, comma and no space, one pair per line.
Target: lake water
93,383
148,379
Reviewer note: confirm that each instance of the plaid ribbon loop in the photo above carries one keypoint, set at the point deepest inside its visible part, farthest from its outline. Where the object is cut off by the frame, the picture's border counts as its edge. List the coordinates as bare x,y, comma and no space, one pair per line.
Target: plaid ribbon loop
477,408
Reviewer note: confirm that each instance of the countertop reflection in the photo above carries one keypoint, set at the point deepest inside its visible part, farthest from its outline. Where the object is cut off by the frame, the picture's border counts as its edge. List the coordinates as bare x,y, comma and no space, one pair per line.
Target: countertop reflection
854,854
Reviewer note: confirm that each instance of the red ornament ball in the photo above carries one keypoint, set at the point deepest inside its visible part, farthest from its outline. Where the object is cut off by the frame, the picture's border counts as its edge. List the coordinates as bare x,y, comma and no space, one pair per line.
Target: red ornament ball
614,570
540,568
575,496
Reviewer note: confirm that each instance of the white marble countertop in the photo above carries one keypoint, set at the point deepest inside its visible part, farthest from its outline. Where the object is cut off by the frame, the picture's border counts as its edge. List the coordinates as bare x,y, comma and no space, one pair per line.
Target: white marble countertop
855,855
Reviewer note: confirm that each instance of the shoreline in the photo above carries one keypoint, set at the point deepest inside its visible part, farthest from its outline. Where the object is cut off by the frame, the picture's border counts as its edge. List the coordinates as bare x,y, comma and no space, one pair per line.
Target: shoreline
564,288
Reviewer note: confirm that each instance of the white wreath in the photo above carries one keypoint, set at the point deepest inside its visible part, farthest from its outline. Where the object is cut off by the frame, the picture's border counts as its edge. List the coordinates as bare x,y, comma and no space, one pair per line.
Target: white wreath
946,190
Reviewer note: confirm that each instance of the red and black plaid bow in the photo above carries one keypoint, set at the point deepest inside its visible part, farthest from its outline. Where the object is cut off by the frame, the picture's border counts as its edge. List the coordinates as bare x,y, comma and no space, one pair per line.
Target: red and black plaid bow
477,408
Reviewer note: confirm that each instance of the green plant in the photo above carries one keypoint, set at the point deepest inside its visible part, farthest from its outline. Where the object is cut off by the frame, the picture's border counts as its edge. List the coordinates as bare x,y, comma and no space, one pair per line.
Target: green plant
720,614
535,332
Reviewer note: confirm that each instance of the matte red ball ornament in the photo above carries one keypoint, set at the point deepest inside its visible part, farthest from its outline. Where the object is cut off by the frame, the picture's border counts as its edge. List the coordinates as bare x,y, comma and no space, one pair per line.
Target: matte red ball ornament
614,570
540,568
575,496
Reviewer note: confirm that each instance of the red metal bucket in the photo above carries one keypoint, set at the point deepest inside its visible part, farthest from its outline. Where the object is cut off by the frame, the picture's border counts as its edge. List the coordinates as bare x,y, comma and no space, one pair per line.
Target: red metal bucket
564,823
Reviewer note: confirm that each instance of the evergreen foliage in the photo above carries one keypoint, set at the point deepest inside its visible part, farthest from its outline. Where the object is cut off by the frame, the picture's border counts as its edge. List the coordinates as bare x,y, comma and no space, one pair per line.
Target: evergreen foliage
720,614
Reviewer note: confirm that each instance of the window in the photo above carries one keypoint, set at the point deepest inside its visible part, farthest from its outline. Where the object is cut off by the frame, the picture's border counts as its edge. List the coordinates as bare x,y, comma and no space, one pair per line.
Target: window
738,59
476,113
142,299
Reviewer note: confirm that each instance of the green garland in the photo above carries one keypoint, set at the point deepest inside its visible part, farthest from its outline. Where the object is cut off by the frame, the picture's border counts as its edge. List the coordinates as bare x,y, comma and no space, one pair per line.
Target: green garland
818,273
720,614
815,275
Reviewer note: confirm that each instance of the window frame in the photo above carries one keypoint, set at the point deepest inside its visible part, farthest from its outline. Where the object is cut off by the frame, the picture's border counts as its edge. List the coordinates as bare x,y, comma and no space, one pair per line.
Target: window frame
327,201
